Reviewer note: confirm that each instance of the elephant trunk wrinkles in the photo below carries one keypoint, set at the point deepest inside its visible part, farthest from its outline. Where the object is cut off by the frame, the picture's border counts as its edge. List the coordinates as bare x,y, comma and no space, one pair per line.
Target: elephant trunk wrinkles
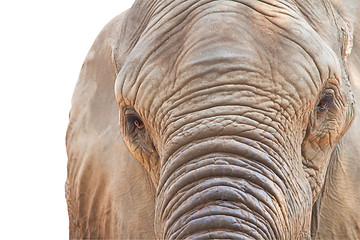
221,188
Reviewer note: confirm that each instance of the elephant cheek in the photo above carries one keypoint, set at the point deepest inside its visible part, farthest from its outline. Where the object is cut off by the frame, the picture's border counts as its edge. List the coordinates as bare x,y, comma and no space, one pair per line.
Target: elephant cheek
212,191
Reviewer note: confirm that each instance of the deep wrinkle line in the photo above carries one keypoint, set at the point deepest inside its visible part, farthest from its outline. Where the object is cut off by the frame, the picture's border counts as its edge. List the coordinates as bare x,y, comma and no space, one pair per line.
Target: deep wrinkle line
225,103
256,8
199,89
245,175
199,119
250,232
244,138
237,68
252,224
179,100
225,235
168,97
185,161
266,174
237,192
194,124
211,236
267,171
158,20
243,206
177,200
228,103
259,9
307,70
218,85
233,136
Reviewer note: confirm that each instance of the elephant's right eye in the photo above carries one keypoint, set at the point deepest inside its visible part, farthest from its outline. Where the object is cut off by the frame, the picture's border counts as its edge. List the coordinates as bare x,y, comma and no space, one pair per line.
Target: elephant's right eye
138,123
132,121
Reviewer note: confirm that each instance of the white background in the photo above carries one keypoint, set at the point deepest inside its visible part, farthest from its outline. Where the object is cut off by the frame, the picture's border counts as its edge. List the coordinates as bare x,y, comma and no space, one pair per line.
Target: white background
42,47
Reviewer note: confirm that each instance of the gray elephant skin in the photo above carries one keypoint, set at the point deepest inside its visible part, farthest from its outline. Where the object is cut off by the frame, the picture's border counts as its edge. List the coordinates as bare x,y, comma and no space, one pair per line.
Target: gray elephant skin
219,120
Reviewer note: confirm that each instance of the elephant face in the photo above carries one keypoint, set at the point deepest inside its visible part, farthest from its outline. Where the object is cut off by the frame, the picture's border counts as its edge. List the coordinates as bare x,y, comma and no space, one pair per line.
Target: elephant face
234,109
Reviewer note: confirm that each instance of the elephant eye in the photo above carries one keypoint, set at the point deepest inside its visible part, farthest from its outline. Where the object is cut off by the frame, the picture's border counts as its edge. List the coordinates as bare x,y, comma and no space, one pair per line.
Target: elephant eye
138,123
132,121
324,103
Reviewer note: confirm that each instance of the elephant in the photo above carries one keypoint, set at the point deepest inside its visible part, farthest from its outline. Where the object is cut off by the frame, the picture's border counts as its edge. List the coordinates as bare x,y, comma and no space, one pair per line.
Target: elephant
219,119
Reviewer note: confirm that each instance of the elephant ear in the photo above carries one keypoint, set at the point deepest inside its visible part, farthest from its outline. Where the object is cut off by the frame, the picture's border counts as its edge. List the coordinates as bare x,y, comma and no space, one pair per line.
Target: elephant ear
349,13
347,31
108,192
325,18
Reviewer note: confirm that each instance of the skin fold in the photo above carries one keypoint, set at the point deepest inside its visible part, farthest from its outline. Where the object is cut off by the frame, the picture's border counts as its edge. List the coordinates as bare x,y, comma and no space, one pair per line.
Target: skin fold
219,119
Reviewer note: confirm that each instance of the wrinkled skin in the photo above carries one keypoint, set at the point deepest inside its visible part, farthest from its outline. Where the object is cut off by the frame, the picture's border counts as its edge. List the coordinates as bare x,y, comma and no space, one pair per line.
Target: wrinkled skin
237,120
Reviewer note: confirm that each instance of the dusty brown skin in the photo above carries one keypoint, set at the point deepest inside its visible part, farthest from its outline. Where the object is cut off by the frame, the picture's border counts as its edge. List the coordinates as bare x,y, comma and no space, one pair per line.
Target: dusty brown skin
237,120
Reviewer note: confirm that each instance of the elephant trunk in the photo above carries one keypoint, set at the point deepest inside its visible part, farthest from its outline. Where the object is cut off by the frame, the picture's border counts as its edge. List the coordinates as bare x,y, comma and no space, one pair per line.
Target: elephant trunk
222,188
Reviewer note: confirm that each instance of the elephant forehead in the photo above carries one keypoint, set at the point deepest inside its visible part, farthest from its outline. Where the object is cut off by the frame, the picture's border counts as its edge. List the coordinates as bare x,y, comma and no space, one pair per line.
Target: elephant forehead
239,39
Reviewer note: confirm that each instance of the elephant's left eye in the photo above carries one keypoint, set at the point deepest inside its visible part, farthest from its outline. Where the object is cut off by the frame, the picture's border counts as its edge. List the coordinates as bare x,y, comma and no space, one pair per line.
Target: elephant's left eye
324,103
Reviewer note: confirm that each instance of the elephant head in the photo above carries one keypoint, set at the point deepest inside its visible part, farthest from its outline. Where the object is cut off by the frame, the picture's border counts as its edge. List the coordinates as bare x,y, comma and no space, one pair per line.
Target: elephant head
234,109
